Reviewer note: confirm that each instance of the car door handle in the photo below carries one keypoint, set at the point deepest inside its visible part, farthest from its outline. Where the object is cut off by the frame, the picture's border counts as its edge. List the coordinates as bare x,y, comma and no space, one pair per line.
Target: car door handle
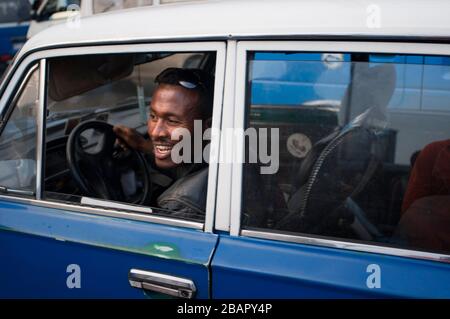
162,283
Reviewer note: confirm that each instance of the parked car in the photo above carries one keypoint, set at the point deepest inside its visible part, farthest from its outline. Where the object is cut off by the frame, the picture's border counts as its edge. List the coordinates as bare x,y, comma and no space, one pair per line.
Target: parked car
344,96
14,23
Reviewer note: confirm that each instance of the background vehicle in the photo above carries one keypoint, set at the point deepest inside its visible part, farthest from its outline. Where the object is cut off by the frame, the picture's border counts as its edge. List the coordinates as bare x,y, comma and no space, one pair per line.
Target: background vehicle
14,23
51,12
352,105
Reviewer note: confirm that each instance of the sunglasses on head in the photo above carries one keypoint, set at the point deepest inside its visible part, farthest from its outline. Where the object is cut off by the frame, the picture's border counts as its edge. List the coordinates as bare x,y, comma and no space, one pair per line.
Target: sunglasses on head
183,77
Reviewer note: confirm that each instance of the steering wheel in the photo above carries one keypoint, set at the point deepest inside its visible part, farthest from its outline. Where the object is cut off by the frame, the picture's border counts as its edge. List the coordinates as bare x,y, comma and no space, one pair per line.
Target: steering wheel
104,170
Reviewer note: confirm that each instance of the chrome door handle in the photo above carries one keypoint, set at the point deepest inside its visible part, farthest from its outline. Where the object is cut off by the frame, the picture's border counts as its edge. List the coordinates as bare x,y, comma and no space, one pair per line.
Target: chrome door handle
162,283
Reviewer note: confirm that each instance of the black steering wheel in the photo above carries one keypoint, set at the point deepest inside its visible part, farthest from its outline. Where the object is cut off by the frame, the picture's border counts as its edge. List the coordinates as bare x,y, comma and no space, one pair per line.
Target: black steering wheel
104,170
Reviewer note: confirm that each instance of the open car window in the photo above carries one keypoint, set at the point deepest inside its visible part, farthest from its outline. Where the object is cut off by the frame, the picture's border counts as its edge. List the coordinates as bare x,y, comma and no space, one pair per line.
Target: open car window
111,90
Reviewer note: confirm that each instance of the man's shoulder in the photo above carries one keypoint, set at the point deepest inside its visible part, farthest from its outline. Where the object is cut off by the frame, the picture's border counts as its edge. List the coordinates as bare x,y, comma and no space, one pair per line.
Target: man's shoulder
187,195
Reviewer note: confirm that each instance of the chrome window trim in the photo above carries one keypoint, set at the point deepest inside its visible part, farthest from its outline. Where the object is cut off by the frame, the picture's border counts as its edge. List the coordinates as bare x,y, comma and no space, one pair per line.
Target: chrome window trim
224,177
317,46
213,167
347,47
359,247
105,212
239,146
40,127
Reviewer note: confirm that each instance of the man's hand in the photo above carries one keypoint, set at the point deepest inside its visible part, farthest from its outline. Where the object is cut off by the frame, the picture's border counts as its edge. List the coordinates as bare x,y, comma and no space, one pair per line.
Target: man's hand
132,139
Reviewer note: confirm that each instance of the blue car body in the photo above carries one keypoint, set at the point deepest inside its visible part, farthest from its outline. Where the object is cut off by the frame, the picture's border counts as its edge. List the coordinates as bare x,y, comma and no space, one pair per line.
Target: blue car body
103,248
44,243
40,243
12,37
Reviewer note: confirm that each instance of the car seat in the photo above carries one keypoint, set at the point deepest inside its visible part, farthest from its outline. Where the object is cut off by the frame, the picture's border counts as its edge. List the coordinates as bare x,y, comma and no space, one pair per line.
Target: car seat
340,165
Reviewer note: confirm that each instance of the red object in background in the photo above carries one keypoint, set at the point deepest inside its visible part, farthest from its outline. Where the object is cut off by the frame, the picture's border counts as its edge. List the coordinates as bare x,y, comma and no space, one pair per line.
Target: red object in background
426,223
5,58
431,173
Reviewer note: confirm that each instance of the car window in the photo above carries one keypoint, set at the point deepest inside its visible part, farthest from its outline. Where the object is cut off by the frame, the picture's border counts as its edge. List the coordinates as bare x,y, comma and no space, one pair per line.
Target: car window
359,147
117,90
18,140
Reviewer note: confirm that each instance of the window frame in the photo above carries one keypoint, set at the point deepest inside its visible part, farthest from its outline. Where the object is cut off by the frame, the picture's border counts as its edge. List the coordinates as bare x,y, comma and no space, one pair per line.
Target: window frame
42,56
232,221
5,115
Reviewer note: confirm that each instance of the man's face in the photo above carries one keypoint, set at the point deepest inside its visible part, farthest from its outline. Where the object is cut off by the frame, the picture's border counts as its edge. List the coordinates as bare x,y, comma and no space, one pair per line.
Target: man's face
172,107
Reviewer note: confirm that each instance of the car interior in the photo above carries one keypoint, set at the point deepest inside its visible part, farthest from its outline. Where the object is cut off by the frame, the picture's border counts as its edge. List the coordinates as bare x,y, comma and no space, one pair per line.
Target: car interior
350,182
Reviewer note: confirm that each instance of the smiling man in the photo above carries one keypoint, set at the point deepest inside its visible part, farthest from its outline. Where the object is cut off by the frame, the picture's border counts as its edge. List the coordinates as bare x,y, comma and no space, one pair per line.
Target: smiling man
181,97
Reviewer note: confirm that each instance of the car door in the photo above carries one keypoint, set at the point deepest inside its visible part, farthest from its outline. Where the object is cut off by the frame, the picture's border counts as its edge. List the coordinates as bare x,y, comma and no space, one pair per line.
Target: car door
320,212
61,249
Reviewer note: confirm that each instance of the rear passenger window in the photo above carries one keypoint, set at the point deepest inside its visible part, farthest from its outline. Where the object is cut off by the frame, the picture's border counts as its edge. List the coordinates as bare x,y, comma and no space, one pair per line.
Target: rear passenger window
363,145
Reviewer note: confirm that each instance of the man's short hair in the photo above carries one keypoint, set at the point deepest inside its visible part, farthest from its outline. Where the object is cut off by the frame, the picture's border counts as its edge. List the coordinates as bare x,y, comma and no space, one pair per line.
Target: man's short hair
192,79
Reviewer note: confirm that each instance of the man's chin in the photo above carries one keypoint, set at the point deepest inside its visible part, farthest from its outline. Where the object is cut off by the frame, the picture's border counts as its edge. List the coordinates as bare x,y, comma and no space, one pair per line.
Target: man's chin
165,163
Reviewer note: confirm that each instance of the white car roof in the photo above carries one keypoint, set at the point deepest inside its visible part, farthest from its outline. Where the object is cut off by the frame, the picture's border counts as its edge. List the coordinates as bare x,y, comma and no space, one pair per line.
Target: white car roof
242,18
